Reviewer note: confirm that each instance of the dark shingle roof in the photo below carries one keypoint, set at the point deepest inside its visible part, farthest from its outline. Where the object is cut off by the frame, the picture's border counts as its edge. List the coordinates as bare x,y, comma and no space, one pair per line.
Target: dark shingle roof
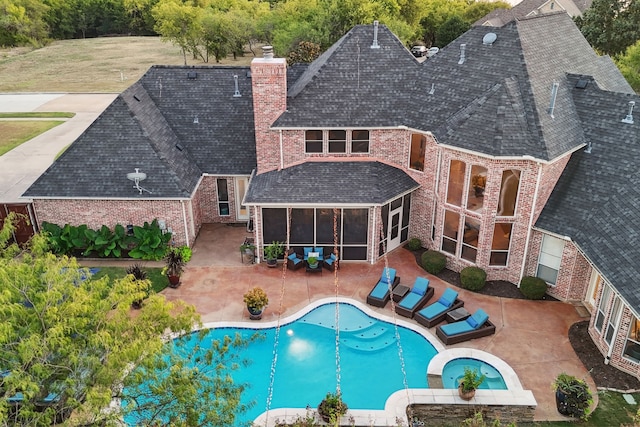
597,199
151,126
507,85
330,183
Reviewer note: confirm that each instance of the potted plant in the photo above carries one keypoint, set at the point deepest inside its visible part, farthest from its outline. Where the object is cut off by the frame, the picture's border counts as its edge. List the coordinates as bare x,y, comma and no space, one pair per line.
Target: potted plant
573,397
332,408
313,262
255,299
479,182
248,252
174,266
272,252
469,383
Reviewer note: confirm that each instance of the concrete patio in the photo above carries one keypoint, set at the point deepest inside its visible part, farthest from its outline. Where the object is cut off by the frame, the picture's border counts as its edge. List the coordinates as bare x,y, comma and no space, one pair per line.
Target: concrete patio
531,336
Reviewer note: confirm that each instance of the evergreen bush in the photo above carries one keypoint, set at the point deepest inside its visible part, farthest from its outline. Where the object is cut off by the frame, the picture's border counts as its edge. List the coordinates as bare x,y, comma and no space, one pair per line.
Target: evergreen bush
433,261
533,287
414,244
473,278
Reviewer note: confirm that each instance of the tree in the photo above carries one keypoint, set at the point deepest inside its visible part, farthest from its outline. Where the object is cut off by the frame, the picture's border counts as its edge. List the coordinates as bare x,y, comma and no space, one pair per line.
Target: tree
629,65
22,22
66,340
610,26
305,52
451,29
179,23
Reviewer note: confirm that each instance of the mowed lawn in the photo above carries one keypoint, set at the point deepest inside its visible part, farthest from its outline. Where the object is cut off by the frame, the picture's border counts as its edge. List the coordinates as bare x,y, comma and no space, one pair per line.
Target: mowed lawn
14,133
106,64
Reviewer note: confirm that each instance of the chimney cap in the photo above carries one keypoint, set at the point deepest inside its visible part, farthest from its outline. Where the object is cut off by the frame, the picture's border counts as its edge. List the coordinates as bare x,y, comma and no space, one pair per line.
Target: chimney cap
267,52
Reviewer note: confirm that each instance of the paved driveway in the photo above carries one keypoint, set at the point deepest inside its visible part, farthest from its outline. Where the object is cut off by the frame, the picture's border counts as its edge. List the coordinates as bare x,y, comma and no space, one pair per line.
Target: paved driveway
20,167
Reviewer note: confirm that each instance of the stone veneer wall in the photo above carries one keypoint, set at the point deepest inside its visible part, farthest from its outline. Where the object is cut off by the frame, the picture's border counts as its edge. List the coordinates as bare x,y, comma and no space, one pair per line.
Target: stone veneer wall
96,213
438,414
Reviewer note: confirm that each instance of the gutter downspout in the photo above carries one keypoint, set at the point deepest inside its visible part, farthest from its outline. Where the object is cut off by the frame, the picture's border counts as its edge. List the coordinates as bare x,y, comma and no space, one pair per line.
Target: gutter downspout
255,232
530,227
373,234
281,152
186,226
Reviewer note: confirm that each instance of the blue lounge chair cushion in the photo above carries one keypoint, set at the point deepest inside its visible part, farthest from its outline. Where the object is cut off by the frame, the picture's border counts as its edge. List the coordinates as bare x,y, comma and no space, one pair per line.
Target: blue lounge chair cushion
456,328
448,297
420,286
331,259
472,322
410,300
380,290
388,275
478,319
320,252
433,310
307,249
293,257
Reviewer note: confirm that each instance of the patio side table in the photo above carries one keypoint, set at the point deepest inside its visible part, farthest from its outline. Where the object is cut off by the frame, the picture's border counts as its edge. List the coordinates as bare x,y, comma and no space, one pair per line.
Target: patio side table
399,292
457,315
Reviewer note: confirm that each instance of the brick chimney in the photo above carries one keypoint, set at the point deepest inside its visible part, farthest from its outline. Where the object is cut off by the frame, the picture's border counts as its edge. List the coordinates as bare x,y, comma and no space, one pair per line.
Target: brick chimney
269,86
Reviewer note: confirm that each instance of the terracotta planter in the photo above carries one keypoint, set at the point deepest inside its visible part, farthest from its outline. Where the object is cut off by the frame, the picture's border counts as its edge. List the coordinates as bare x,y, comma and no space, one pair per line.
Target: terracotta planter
466,395
174,280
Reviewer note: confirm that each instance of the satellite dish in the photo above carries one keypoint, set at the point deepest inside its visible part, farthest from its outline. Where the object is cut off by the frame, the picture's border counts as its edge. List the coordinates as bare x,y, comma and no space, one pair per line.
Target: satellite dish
136,177
489,38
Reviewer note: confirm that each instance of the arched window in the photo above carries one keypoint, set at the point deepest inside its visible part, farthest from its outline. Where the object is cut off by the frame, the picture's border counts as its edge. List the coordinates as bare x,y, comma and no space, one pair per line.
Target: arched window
509,192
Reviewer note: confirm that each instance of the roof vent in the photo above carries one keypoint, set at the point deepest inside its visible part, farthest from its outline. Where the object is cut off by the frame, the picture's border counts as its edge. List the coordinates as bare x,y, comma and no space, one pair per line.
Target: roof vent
375,44
195,120
582,83
463,47
588,149
267,52
433,89
192,75
554,94
237,92
179,147
489,38
136,98
629,118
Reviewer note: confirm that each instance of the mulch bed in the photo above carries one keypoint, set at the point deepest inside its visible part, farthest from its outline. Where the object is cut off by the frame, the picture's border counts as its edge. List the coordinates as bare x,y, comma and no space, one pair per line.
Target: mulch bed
605,376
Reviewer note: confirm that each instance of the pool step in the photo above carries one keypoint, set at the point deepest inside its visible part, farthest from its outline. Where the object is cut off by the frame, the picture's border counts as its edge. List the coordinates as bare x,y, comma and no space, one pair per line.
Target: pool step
369,339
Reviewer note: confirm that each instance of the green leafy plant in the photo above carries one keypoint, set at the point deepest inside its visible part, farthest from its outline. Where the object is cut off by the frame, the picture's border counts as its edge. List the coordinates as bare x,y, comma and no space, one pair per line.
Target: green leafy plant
185,252
473,278
533,287
256,299
433,261
471,379
174,262
142,282
274,250
106,243
149,242
332,407
53,233
414,244
312,261
573,396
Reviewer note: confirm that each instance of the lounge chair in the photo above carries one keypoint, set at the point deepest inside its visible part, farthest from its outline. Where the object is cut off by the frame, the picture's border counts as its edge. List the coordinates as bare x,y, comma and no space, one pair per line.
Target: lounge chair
475,326
435,313
419,295
380,295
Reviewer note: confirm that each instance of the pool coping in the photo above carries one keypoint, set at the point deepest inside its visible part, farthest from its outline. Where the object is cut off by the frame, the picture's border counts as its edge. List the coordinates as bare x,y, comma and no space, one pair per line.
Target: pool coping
395,409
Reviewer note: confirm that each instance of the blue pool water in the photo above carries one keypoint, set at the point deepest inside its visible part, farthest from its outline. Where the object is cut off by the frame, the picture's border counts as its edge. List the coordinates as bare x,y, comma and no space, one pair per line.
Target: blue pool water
306,366
453,371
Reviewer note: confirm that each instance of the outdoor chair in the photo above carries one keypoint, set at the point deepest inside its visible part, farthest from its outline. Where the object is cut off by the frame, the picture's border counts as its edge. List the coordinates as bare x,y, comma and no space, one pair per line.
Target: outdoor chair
331,262
475,326
419,295
380,294
435,313
294,261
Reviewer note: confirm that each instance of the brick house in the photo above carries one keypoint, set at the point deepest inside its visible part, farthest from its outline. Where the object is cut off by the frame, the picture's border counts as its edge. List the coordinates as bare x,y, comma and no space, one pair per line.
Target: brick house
513,149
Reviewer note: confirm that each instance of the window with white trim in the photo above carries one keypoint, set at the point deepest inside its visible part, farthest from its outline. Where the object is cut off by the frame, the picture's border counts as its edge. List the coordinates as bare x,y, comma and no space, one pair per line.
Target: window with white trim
360,141
417,151
337,141
223,197
500,243
509,192
550,258
632,346
313,141
614,319
604,300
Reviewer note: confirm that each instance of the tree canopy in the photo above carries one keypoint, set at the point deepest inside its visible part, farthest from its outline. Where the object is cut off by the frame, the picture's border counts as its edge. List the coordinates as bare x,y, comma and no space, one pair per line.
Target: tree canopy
611,26
68,342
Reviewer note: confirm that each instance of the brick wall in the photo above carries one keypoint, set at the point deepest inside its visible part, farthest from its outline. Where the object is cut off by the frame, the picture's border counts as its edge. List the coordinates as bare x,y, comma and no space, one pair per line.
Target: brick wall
207,199
96,213
269,86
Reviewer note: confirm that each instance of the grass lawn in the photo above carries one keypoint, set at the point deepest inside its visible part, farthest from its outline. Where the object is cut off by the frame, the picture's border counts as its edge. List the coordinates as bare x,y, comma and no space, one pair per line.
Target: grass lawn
12,134
158,280
37,114
612,410
104,64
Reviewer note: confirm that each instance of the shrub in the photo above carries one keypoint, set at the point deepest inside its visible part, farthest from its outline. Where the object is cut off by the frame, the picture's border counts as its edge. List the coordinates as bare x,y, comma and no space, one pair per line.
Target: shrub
533,287
433,261
473,278
414,244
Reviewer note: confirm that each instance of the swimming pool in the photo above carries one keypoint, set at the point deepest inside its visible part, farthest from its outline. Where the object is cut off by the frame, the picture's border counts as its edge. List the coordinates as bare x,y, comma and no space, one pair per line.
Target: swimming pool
306,368
453,371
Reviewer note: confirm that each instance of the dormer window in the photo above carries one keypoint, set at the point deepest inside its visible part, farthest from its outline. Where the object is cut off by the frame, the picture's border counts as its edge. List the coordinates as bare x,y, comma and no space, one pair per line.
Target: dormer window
313,141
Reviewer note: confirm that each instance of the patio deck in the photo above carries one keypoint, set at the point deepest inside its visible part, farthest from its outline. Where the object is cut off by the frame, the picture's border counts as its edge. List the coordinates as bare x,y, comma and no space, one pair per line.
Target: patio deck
531,336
